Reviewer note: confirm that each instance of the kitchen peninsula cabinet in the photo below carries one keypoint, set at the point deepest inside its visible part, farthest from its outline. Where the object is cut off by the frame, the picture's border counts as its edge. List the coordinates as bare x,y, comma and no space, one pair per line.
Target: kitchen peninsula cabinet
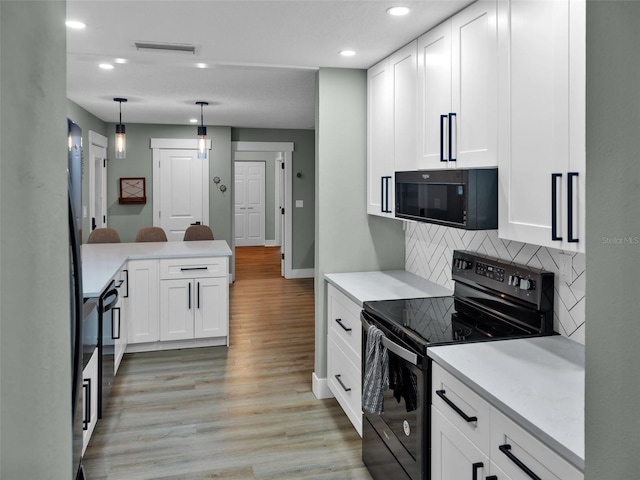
457,94
391,132
193,298
119,328
542,122
89,399
143,302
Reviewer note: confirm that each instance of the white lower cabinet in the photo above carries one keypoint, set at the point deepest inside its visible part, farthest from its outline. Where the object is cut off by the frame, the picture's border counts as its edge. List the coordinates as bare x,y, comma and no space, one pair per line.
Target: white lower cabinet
470,438
89,399
344,344
143,301
119,328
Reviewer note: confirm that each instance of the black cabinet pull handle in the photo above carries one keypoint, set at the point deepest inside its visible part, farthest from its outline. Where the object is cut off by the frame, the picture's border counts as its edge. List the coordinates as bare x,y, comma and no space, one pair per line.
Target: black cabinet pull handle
189,295
442,118
113,328
346,389
188,269
198,293
339,321
441,394
554,206
506,449
491,477
86,386
384,194
120,282
126,276
476,466
451,144
570,177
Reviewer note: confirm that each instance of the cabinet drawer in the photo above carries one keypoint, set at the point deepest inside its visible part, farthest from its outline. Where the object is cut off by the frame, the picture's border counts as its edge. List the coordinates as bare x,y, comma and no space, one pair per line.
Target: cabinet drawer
460,405
343,316
193,268
511,444
343,377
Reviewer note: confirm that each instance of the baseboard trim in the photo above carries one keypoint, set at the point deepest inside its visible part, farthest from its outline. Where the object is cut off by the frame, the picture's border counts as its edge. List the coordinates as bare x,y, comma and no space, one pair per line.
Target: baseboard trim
270,243
302,273
320,387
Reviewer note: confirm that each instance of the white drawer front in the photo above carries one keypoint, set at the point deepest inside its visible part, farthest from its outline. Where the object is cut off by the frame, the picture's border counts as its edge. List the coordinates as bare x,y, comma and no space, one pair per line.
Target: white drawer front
468,402
343,316
525,448
343,377
193,267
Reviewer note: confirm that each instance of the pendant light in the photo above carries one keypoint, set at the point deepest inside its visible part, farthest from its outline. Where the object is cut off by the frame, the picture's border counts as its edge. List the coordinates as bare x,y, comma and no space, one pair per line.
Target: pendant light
121,138
202,133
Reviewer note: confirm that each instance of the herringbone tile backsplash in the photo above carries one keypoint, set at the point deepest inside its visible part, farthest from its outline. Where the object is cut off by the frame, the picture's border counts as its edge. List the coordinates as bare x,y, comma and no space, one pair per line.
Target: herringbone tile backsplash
429,250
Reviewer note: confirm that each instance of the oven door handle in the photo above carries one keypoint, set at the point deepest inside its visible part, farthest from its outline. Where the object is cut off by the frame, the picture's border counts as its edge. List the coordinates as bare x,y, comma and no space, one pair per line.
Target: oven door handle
402,352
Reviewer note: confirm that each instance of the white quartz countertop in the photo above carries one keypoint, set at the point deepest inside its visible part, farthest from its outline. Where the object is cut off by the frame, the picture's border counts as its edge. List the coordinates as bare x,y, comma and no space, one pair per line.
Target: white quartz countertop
387,285
101,261
537,382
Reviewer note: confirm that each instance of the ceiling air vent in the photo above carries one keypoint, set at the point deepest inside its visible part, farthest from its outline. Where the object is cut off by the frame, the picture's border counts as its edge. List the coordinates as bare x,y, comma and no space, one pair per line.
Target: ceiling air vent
167,47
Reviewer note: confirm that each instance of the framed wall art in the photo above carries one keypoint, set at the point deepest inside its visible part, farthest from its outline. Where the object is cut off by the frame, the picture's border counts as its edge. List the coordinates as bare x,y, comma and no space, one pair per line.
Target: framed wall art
132,190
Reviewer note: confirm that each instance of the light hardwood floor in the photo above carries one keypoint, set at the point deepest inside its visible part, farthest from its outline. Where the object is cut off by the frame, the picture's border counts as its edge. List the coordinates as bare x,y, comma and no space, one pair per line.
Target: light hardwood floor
243,412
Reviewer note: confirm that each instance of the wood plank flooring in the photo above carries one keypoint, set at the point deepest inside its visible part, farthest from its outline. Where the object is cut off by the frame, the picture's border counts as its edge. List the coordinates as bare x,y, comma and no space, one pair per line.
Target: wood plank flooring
242,412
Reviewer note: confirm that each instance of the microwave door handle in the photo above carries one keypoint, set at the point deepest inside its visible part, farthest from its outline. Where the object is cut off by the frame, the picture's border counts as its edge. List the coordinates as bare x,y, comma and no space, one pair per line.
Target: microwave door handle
442,128
452,144
554,206
570,236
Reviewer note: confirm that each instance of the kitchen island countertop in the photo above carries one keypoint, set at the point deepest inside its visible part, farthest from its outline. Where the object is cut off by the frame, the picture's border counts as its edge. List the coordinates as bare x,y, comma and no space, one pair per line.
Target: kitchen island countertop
101,261
537,382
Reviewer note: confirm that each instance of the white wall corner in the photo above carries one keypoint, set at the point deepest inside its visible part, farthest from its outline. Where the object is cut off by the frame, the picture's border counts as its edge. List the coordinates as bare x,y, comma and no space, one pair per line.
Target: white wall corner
302,273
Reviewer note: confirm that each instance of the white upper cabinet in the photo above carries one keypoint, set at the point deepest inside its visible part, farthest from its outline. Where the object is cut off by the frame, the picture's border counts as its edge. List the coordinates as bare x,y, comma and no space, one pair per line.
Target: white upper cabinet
391,130
542,122
380,165
457,91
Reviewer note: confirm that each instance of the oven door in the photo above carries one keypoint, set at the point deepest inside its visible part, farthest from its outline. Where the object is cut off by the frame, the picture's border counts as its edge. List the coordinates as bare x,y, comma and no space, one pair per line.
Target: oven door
399,436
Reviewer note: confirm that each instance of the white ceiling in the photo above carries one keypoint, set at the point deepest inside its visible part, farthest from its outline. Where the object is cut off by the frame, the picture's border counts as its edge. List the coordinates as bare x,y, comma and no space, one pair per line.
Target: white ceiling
262,55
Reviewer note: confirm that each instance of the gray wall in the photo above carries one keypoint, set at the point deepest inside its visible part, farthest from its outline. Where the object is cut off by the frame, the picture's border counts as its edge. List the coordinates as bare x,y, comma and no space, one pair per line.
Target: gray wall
613,236
35,369
347,239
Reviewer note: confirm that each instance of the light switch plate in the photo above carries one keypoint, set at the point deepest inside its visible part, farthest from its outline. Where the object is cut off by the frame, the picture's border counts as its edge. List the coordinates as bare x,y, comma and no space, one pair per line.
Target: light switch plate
566,267
299,203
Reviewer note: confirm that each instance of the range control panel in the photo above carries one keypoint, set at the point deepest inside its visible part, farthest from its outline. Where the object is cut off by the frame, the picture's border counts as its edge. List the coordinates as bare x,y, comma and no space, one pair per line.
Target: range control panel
520,281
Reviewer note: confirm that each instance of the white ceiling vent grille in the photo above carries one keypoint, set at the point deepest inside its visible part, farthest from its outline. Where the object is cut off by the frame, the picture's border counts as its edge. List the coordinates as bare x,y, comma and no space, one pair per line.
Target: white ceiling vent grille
166,47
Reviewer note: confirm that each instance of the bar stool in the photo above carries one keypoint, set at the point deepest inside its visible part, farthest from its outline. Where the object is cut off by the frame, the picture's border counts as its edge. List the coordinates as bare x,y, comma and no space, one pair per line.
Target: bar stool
198,232
151,234
104,235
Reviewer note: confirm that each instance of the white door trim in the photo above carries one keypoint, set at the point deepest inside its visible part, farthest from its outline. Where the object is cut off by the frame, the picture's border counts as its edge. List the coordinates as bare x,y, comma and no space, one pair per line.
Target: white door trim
99,141
158,144
286,148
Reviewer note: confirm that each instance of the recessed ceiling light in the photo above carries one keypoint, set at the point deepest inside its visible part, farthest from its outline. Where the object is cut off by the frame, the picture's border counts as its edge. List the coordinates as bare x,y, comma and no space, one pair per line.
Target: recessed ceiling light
75,24
121,60
193,120
398,11
201,65
106,66
347,53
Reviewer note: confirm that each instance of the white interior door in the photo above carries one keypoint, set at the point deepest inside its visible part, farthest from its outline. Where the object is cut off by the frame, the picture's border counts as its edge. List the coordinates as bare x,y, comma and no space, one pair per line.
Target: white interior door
97,180
249,181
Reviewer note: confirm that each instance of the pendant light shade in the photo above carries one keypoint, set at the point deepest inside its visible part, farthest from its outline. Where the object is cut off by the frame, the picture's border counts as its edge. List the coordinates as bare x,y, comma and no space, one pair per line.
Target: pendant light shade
121,138
202,133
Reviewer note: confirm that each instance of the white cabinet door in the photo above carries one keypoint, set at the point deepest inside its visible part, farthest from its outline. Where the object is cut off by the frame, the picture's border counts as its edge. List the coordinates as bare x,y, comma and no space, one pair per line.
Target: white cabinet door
176,309
89,399
120,318
454,456
457,91
143,323
211,307
542,122
434,96
404,71
380,166
474,87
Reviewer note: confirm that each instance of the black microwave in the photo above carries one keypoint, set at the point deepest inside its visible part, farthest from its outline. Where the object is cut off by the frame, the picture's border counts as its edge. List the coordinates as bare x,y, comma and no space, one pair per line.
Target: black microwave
461,198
